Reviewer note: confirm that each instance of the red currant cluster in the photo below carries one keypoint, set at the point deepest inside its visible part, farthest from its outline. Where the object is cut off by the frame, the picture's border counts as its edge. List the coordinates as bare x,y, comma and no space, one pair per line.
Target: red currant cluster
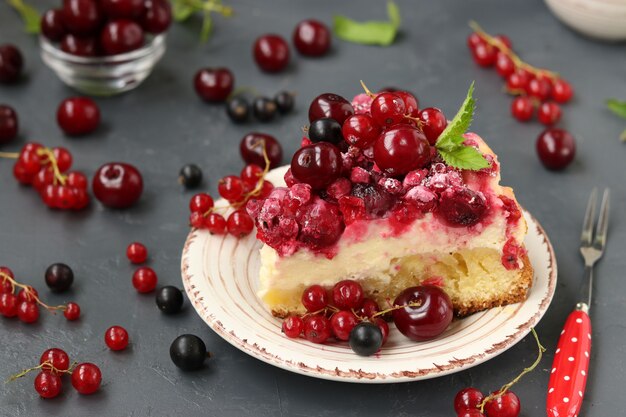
25,305
107,27
144,278
53,364
535,88
47,170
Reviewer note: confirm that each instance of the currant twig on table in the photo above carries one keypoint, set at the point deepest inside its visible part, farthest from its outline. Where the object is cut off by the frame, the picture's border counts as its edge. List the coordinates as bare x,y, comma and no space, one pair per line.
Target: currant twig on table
46,366
27,289
50,158
10,155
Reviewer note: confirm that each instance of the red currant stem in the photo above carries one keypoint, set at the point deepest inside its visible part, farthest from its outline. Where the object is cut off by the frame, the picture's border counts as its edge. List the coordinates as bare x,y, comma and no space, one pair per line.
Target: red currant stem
47,366
508,52
28,291
383,312
506,387
367,90
420,124
58,176
322,310
305,129
10,155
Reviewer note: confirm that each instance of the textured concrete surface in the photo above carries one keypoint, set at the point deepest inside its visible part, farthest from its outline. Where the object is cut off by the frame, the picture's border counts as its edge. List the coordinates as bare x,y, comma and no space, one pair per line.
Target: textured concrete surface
163,125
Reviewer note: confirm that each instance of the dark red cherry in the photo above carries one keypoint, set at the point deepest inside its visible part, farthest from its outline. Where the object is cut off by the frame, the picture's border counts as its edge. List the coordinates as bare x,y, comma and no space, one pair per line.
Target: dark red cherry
214,84
81,17
117,185
79,45
312,38
461,206
251,149
433,123
318,164
120,36
271,53
52,26
8,124
332,106
556,148
427,312
11,63
158,16
78,116
401,149
122,9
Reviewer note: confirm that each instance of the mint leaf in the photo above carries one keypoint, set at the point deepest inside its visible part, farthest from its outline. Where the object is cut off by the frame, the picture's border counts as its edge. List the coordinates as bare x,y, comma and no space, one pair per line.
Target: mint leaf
371,32
464,157
30,16
617,107
452,135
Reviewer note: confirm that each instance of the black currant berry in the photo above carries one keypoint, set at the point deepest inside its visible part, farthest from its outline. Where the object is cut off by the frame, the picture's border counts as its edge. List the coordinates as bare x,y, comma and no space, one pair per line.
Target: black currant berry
59,277
366,338
325,130
190,176
188,352
169,299
238,109
284,101
263,109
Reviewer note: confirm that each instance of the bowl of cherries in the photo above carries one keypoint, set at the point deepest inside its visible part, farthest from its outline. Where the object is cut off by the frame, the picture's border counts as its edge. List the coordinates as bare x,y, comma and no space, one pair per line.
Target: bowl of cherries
104,47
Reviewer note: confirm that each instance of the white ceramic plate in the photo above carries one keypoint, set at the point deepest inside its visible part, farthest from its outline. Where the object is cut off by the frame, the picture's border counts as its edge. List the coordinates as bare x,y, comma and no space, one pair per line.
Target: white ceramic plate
220,277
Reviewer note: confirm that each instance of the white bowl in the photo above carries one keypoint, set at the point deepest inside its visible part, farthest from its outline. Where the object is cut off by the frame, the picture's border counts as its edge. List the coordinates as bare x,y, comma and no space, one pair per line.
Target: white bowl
600,19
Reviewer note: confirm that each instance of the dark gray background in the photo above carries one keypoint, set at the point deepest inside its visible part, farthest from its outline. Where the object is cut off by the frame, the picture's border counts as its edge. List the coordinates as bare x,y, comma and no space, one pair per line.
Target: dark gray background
162,125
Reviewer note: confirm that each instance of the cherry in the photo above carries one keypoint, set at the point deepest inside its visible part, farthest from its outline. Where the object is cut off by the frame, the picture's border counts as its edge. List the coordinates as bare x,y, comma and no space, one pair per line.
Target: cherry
518,80
86,378
387,109
117,185
314,298
293,326
522,108
72,311
231,188
251,149
57,358
429,318
342,323
549,113
506,405
27,311
137,253
562,91
8,304
169,299
366,338
504,65
312,38
200,203
556,148
188,352
78,116
360,131
271,53
144,279
11,63
116,338
467,399
347,295
214,84
461,206
52,26
81,17
330,105
79,46
317,329
8,124
325,130
120,36
484,54
539,88
433,123
59,277
47,385
318,164
401,149
474,39
215,223
239,223
122,9
157,17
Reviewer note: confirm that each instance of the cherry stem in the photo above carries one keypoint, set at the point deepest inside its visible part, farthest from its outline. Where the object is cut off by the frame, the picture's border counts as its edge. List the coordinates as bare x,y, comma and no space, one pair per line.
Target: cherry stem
58,176
29,293
367,90
508,52
383,312
47,365
506,387
10,155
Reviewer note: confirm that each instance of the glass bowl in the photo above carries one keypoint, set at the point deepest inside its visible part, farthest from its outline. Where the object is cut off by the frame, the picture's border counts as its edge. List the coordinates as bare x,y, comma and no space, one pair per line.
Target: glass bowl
103,75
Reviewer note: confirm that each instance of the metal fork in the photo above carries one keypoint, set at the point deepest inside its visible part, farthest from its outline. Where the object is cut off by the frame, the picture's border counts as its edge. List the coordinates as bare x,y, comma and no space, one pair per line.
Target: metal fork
571,360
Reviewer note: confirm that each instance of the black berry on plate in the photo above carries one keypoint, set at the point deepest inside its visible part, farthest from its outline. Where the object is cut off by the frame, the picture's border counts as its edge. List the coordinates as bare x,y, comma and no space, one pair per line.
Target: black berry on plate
284,101
190,176
188,352
169,299
251,149
8,124
59,277
117,185
214,84
11,63
238,109
264,109
366,338
312,38
271,53
325,130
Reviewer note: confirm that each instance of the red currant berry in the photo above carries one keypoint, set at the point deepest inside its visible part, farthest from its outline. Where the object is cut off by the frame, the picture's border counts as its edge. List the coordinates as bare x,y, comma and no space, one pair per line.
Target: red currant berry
8,124
484,55
271,53
470,413
116,338
384,329
11,63
433,123
556,148
539,88
157,17
518,80
79,46
201,203
137,253
21,174
467,399
411,104
505,40
504,65
121,36
47,385
522,108
387,109
43,178
65,198
251,149
77,180
81,17
314,298
293,326
231,188
239,223
347,294
215,223
48,195
312,38
8,304
144,279
78,116
72,311
117,185
331,106
342,323
506,405
360,131
196,220
426,314
214,84
29,294
562,91
549,113
31,162
81,198
317,329
265,191
63,158
401,149
251,174
5,284
122,9
474,39
28,312
86,378
368,308
57,358
318,164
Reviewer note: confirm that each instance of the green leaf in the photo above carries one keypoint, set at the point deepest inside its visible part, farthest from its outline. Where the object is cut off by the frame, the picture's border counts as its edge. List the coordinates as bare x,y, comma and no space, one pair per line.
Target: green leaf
394,13
182,11
207,25
452,135
617,107
30,16
371,32
464,157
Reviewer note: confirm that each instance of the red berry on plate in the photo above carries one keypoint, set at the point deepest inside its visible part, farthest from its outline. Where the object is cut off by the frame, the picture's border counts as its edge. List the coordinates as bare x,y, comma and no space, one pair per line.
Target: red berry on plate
72,311
11,63
293,326
157,17
506,405
549,113
79,45
215,223
318,164
8,304
59,360
562,91
387,109
411,104
317,329
271,53
251,149
239,223
342,323
137,253
384,329
433,123
78,116
47,385
231,188
426,314
28,312
196,220
332,106
347,295
86,378
251,174
360,131
368,308
116,338
144,279
117,185
539,88
401,149
556,148
201,203
484,55
8,124
312,38
522,108
314,298
214,84
122,9
467,399
81,17
121,36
